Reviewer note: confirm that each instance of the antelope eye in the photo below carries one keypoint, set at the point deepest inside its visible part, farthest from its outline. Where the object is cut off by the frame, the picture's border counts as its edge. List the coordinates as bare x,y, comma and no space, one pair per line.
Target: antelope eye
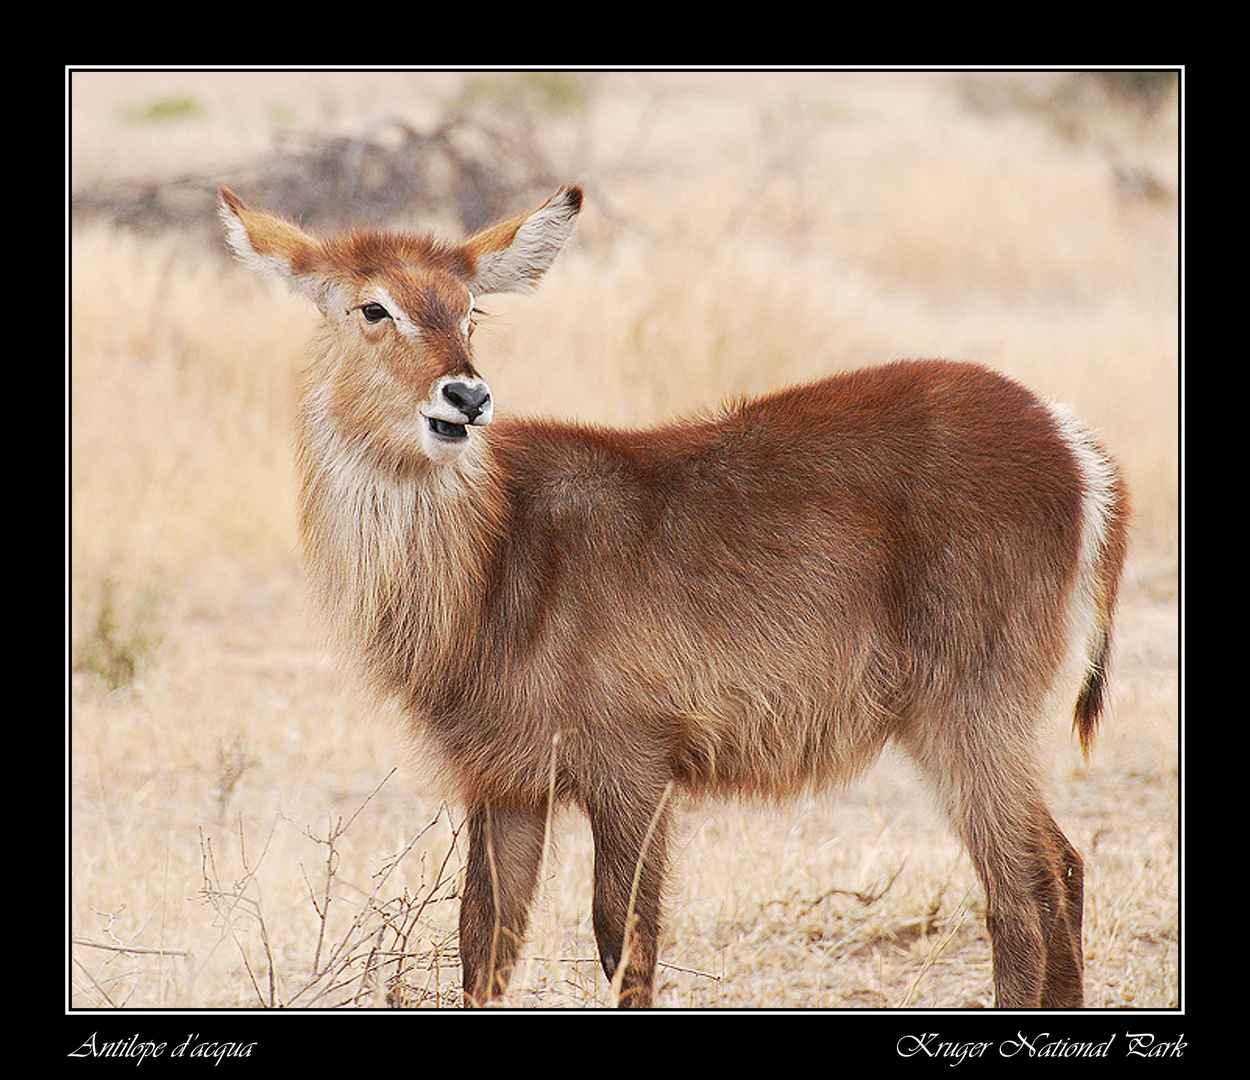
374,312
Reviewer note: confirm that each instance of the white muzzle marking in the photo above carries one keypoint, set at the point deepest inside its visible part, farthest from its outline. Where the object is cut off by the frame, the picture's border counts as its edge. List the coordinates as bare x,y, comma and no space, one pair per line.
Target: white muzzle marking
444,435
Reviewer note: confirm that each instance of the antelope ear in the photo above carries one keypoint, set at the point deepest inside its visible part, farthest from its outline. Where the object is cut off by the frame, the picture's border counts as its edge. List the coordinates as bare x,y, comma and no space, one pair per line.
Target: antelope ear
514,254
276,247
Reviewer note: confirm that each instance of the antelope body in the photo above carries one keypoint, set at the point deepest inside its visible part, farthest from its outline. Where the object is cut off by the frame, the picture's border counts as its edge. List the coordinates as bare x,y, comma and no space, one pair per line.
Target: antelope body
755,602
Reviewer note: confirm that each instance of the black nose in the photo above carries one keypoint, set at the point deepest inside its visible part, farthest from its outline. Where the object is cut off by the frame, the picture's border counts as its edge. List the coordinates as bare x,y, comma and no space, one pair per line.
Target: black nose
470,400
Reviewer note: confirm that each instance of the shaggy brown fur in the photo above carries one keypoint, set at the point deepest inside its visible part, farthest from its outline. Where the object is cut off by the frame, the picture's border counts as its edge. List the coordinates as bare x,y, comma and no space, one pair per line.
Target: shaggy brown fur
753,603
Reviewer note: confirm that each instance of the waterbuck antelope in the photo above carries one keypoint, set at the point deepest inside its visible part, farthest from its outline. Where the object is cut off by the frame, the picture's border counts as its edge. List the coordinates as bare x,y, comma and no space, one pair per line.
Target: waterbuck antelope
750,603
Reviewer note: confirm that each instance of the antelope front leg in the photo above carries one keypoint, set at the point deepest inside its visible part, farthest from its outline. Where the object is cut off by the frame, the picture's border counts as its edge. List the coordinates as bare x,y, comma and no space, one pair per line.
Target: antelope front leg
630,842
505,849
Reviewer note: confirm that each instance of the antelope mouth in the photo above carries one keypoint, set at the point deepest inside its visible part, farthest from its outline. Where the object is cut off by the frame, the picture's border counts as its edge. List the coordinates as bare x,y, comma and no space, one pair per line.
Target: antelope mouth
444,429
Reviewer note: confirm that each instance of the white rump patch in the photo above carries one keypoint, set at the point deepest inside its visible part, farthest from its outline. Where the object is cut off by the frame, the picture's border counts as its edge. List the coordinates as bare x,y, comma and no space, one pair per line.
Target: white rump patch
1098,475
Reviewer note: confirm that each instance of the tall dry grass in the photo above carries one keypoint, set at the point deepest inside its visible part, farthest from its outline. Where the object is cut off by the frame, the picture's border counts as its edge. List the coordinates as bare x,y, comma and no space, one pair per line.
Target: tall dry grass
741,232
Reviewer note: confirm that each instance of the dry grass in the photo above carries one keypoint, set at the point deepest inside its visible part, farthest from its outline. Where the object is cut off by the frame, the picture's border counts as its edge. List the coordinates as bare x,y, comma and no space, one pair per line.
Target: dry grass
237,836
